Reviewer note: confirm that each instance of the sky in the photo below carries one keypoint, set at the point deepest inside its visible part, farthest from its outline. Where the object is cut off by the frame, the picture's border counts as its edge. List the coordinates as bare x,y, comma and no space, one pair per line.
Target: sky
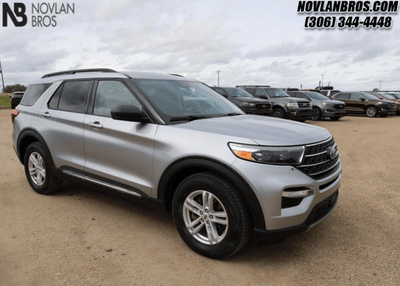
249,42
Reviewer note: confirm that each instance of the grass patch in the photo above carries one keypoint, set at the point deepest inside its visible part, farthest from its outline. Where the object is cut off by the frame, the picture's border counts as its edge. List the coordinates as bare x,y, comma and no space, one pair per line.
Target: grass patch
5,101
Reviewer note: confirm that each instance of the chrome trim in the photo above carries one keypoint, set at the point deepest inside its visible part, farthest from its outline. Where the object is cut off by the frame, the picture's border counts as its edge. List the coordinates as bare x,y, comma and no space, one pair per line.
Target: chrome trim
313,174
74,174
122,190
316,164
117,188
312,155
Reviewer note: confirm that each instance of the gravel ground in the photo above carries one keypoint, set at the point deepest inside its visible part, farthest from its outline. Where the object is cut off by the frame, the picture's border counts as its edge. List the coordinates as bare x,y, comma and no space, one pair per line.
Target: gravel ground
81,237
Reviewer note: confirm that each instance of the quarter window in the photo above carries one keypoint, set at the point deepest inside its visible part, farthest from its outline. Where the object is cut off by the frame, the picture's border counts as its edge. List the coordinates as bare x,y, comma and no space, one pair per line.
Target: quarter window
109,94
33,93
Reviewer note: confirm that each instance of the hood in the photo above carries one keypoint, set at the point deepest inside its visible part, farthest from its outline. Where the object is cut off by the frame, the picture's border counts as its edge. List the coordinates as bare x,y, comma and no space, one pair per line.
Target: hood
267,131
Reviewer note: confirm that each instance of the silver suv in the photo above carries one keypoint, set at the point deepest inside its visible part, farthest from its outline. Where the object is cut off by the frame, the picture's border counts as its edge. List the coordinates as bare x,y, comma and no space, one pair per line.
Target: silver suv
176,144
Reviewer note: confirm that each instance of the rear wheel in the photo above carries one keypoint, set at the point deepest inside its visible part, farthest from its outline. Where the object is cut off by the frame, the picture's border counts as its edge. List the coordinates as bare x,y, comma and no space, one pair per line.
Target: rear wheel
38,170
371,111
210,216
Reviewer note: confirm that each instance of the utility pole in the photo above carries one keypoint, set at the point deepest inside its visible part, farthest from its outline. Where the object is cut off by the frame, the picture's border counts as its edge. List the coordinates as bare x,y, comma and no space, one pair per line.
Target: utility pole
218,76
2,78
322,84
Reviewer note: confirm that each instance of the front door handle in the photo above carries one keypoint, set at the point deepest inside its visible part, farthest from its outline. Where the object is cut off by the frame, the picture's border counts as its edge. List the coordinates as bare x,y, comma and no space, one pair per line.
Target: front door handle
96,124
46,114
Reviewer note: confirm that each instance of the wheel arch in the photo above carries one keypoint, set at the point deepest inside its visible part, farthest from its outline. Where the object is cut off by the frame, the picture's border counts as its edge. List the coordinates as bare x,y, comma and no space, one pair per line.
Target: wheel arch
27,137
185,167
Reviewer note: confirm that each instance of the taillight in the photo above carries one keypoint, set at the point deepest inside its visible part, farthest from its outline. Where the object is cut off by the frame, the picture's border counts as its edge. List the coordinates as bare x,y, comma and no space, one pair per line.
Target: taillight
13,115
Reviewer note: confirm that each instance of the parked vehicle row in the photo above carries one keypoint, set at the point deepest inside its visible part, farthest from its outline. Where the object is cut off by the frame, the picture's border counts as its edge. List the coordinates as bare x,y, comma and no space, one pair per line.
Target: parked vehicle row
174,143
16,98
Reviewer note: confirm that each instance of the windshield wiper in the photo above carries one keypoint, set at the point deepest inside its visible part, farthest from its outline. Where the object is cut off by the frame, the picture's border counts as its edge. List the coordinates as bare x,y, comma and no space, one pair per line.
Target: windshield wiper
188,118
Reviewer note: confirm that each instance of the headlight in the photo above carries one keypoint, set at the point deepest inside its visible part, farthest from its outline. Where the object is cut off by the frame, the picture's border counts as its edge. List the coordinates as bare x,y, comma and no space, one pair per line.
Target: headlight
323,103
379,102
269,155
292,105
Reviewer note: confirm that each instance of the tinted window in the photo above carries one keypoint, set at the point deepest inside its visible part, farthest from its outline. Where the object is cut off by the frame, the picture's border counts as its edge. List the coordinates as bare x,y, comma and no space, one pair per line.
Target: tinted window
355,96
276,92
33,93
250,90
73,96
343,95
237,92
260,92
220,91
53,103
109,94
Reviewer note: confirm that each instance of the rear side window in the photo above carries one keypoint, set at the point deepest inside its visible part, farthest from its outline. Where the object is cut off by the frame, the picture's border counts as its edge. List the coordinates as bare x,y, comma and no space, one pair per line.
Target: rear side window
73,96
342,95
33,93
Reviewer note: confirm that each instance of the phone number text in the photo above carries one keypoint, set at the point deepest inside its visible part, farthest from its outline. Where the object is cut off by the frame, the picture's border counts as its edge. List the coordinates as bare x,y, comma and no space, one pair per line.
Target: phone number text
331,22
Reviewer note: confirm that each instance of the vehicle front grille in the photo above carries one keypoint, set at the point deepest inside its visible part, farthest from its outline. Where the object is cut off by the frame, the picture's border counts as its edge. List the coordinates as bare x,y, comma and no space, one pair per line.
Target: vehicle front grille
304,104
263,106
392,105
317,160
339,106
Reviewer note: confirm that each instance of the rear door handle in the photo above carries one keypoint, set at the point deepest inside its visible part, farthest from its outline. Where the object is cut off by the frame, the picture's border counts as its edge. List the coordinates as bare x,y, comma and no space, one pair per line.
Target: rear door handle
46,114
96,124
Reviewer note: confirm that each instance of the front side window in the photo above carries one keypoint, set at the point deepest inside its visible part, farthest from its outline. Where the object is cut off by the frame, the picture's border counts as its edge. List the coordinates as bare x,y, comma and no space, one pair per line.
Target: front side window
175,98
260,92
109,94
73,96
316,95
33,93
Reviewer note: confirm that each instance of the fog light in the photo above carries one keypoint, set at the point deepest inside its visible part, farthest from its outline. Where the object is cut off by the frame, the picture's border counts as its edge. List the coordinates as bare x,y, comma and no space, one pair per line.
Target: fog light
297,193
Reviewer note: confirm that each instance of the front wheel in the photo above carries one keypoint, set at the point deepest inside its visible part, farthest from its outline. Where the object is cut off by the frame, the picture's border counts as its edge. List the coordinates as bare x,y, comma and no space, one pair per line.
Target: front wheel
210,216
371,111
316,114
278,113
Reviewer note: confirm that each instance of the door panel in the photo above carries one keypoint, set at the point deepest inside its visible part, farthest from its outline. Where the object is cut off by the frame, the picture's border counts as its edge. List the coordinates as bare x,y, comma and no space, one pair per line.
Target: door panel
121,151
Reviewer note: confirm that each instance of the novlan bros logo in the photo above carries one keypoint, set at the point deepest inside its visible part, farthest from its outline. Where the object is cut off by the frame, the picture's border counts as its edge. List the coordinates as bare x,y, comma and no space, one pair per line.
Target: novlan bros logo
19,11
42,14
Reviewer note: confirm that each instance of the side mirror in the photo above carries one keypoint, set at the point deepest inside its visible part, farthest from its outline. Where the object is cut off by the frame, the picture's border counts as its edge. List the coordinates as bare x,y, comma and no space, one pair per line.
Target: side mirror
128,113
363,99
263,96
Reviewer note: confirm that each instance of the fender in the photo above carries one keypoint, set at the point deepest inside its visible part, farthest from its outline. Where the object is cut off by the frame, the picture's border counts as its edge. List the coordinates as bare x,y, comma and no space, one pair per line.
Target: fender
21,144
184,167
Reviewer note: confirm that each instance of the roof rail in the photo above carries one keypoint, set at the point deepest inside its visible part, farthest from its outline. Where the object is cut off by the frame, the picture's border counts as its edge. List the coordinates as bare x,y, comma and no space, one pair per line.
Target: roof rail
241,85
77,71
175,74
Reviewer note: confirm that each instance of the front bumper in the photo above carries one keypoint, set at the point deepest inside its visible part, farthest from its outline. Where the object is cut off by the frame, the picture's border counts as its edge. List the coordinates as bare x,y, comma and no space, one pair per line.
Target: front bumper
387,111
331,112
268,183
258,111
318,213
299,113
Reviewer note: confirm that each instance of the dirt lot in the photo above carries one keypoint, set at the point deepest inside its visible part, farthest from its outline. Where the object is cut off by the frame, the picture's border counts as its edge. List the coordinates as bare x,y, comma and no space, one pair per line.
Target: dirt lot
81,237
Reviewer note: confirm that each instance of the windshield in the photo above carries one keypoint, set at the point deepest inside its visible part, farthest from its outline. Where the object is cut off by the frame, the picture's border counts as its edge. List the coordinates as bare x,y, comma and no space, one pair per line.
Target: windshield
316,95
237,92
369,96
276,92
395,94
175,99
387,96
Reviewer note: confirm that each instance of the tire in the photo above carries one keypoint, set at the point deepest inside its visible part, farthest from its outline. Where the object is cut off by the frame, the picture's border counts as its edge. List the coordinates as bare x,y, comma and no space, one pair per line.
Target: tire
316,114
278,113
371,111
335,118
191,205
38,170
